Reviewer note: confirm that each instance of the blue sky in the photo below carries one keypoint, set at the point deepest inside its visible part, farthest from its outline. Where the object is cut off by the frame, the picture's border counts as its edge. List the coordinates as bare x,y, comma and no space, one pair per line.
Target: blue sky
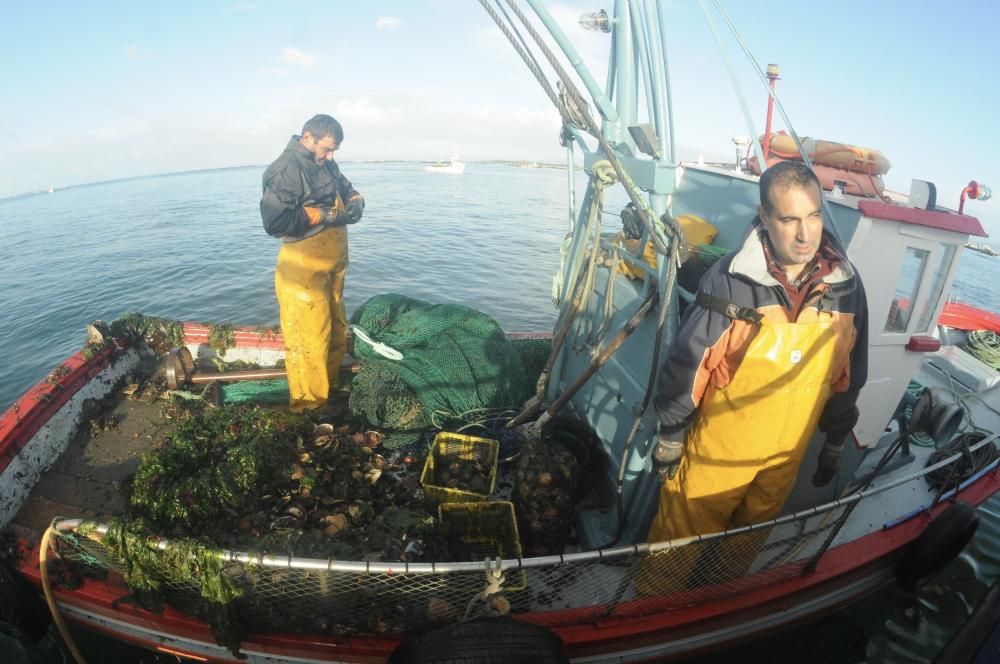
101,90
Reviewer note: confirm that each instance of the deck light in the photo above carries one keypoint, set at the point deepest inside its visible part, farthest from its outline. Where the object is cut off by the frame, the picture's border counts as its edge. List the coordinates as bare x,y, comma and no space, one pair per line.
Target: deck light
596,21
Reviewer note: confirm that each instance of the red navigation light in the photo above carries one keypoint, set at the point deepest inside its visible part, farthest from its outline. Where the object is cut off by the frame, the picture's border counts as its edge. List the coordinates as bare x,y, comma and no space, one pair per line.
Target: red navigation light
976,191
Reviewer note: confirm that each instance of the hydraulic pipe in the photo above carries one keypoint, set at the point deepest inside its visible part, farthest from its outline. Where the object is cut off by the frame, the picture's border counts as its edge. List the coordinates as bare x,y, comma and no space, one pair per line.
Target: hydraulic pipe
570,176
601,359
557,342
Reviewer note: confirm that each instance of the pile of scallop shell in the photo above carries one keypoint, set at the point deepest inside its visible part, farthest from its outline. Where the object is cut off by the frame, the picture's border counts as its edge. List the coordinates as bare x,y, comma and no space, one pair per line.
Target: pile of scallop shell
344,498
463,474
544,496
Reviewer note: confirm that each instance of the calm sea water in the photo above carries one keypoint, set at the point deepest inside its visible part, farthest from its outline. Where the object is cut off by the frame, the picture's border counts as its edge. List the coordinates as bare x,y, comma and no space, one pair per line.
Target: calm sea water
191,247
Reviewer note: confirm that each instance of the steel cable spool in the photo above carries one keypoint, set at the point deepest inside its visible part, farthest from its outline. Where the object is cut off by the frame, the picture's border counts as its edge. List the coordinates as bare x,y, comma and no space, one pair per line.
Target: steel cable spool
934,414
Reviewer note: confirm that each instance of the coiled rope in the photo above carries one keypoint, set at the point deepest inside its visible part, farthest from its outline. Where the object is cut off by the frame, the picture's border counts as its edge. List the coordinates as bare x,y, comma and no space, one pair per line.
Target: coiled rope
984,345
965,467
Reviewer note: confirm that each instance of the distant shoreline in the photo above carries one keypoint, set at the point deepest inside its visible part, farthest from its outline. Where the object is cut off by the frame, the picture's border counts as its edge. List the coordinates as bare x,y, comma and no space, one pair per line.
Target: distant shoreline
493,162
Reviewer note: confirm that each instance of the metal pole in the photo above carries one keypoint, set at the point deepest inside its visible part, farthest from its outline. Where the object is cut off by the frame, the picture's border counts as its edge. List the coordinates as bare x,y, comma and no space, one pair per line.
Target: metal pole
625,93
772,76
659,83
671,156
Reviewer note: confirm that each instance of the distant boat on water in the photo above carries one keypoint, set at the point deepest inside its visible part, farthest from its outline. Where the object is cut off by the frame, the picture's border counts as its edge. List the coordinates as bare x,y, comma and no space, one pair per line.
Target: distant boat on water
981,248
52,189
453,165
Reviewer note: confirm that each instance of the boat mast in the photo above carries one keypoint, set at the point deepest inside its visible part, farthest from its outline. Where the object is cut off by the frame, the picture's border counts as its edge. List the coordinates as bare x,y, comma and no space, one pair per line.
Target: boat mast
638,31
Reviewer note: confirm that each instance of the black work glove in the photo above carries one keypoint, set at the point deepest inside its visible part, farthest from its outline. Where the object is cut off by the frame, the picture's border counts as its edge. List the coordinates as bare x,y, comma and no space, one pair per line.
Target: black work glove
829,460
353,210
668,452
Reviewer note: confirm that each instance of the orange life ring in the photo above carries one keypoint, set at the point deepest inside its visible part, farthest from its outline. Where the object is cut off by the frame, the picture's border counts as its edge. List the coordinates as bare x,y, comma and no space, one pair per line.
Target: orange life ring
856,184
829,153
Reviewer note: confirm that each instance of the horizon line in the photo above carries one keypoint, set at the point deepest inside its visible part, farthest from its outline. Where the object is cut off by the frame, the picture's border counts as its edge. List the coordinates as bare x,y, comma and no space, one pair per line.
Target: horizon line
54,189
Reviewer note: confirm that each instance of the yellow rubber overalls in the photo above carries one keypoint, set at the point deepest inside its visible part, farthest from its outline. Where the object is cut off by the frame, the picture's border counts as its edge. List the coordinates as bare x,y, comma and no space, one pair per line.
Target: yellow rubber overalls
743,453
309,282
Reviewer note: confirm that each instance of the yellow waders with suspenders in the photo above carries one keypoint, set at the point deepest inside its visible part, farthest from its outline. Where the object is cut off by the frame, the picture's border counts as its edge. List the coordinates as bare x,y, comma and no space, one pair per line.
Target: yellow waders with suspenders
309,283
743,452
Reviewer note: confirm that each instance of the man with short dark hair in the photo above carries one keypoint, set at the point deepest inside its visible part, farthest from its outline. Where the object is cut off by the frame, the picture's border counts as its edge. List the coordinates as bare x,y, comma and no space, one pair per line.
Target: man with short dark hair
775,344
308,203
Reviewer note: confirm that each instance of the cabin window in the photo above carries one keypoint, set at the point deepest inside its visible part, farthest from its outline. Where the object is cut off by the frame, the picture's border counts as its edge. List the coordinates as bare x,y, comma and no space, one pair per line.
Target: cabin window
937,287
906,289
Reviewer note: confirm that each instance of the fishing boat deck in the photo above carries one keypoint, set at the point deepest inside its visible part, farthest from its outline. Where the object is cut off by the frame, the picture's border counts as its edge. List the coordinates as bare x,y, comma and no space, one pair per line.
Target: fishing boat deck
89,480
86,481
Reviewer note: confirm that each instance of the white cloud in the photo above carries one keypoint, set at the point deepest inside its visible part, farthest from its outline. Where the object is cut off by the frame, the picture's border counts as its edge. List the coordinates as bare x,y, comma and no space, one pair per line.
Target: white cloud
294,56
387,23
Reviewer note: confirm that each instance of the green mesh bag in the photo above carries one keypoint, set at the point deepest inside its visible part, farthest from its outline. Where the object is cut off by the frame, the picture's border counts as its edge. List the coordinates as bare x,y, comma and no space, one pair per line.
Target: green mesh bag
271,392
455,360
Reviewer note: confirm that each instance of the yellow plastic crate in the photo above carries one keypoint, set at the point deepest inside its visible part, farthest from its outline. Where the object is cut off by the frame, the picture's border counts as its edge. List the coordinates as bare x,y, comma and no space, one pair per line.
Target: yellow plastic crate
450,447
476,531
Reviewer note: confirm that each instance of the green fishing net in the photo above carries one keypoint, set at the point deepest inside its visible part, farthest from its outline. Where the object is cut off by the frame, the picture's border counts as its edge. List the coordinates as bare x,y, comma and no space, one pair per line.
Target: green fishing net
454,360
269,392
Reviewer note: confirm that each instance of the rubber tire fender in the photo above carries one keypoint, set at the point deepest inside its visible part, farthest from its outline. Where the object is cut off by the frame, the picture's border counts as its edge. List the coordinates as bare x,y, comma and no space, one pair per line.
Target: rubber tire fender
483,641
938,545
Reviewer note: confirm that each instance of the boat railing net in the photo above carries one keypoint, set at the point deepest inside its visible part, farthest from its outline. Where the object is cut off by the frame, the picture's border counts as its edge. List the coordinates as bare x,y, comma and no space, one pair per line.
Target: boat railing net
321,596
278,593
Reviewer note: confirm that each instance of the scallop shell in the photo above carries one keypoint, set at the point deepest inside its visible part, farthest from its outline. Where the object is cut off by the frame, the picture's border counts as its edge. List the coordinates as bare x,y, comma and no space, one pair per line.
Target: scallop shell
333,524
325,429
323,441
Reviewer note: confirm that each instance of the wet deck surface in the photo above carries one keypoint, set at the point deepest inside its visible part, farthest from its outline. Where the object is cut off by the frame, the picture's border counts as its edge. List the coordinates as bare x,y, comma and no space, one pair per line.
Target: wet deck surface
86,481
88,478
